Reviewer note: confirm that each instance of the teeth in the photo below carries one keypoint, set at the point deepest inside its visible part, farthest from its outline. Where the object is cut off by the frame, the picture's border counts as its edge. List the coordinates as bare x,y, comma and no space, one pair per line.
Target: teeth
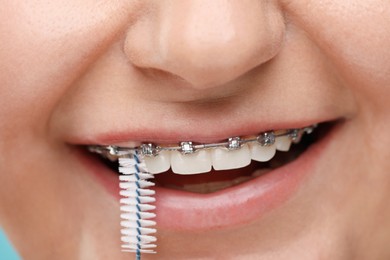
160,163
218,158
283,143
198,162
262,153
224,159
203,160
194,158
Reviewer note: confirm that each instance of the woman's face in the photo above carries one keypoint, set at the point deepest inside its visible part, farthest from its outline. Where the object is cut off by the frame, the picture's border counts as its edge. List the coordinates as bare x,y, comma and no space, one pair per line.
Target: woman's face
76,73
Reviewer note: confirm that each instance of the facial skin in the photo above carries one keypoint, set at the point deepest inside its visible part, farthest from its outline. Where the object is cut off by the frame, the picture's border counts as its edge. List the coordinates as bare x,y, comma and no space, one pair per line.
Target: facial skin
71,71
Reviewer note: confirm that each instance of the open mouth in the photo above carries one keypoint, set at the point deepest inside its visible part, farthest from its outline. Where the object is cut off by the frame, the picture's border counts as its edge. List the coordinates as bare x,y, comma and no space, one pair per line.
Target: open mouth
209,168
203,186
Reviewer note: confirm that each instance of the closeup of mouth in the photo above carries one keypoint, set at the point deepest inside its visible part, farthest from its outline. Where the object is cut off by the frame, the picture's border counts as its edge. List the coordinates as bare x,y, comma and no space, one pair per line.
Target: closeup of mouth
236,180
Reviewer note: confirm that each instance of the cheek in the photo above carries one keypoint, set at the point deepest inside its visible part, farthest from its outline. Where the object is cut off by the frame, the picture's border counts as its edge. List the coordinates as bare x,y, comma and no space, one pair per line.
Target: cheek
355,36
45,47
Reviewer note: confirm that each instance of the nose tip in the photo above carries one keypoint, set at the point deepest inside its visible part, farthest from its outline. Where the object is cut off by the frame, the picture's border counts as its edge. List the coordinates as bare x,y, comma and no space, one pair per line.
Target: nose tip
207,43
206,59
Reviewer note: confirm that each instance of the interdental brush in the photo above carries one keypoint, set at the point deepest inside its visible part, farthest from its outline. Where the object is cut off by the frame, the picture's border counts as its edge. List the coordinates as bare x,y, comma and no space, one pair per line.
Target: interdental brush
135,205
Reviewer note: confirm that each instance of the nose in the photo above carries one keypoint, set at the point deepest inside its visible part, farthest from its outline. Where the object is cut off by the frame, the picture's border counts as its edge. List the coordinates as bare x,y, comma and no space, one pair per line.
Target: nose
206,43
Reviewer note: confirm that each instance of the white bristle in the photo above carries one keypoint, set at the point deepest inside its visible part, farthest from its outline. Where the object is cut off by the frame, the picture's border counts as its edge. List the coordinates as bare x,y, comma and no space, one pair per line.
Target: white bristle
135,204
143,199
141,184
132,178
145,184
141,251
134,208
133,170
127,171
143,223
133,192
131,163
134,231
134,246
143,215
142,239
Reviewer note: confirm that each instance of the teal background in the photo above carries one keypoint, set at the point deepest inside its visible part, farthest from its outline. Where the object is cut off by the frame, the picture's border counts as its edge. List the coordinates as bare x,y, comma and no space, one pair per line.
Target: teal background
6,250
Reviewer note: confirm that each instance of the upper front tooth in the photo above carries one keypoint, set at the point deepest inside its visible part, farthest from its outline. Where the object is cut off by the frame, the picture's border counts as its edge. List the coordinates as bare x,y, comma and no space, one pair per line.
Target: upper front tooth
197,162
158,164
283,143
262,153
224,159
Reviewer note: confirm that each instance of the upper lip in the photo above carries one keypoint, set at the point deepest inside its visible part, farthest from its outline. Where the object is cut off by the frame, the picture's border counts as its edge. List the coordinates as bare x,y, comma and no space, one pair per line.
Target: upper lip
198,134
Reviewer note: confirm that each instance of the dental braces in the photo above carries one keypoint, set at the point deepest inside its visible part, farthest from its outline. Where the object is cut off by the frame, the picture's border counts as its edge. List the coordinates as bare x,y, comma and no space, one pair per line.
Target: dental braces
234,143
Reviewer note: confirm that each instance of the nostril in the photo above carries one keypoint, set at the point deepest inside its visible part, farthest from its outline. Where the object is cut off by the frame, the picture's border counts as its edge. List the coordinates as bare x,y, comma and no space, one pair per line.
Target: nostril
161,75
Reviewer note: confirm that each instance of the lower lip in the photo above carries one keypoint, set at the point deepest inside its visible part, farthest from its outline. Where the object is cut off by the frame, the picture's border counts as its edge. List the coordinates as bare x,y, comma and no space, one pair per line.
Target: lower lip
238,205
